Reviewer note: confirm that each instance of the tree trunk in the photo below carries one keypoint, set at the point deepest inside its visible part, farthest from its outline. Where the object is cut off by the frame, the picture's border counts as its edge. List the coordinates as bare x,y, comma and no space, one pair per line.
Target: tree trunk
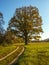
26,40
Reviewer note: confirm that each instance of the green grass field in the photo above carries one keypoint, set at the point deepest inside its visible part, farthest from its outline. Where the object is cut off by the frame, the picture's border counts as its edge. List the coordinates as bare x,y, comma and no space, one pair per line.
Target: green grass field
35,54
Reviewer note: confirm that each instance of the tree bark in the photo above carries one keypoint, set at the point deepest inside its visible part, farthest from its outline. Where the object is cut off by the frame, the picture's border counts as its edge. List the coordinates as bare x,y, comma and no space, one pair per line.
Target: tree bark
26,40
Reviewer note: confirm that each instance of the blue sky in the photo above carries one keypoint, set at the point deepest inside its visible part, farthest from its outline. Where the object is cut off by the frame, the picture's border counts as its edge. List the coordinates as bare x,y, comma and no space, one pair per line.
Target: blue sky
8,7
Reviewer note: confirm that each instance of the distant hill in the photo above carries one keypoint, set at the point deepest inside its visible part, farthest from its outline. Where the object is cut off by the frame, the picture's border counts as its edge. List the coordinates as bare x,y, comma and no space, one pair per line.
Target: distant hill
47,40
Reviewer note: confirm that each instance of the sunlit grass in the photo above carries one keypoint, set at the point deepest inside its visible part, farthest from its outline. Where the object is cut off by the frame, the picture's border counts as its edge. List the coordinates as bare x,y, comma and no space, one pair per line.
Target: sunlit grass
36,53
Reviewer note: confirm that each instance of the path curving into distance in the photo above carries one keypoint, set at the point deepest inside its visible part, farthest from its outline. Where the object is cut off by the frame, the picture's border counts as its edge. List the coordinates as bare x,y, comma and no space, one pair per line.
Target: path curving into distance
20,53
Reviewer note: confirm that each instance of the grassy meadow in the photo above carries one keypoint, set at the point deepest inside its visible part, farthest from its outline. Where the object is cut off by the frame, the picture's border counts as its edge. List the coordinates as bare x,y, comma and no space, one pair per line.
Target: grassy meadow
36,53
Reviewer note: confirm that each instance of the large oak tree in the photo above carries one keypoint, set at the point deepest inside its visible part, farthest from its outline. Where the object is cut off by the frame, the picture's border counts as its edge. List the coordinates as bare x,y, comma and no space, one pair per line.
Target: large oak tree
26,23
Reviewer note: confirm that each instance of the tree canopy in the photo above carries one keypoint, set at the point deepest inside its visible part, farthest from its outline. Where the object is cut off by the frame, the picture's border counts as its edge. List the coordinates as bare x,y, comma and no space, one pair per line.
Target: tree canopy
26,23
